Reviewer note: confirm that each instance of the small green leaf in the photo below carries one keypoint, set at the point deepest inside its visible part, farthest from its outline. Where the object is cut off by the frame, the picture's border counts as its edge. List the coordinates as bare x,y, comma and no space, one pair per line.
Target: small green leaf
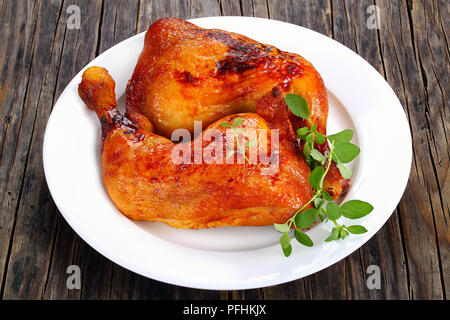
320,138
310,140
333,157
346,151
327,196
237,122
306,218
316,155
343,136
356,229
355,209
321,216
306,150
333,211
302,132
250,143
285,240
297,105
318,202
315,177
225,125
287,251
313,127
281,227
334,235
345,172
343,233
303,238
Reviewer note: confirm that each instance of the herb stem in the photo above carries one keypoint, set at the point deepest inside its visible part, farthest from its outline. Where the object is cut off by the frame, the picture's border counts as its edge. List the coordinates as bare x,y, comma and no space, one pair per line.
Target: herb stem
318,192
242,151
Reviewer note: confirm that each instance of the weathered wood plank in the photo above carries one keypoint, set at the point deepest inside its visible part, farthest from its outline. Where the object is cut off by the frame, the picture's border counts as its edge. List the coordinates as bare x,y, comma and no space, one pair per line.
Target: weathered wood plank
415,210
34,233
310,14
25,269
66,243
119,22
149,12
80,46
428,19
255,8
230,8
204,8
18,20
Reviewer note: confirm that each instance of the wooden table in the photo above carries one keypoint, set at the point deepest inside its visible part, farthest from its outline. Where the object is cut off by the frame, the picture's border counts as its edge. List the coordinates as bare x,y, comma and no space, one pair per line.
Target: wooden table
39,55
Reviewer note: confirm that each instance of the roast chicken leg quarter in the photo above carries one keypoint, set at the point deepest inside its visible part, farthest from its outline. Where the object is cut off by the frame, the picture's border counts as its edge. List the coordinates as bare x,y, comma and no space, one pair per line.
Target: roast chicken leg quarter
185,74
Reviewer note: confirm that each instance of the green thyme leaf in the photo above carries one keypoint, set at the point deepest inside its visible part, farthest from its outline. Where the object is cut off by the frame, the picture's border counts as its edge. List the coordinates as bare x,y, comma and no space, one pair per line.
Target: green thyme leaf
343,136
315,177
287,251
343,233
306,150
346,151
303,238
318,202
320,138
282,227
285,240
321,216
333,211
306,218
355,209
237,122
302,132
335,159
297,105
327,196
356,229
310,140
334,235
316,155
250,143
344,170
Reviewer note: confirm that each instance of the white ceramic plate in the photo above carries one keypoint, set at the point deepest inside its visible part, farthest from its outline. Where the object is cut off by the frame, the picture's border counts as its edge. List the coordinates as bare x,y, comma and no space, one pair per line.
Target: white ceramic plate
231,257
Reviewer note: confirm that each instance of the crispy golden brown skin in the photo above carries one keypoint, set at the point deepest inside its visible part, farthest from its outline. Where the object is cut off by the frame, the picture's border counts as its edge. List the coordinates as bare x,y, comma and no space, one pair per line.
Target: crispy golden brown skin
145,184
188,73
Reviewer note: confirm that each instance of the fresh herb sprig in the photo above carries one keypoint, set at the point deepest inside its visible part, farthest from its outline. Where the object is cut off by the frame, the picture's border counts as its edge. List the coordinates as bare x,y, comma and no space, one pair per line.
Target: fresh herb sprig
341,151
236,132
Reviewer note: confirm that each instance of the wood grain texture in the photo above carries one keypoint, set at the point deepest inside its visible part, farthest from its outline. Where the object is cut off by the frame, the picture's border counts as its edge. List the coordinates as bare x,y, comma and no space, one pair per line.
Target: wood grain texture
417,212
41,55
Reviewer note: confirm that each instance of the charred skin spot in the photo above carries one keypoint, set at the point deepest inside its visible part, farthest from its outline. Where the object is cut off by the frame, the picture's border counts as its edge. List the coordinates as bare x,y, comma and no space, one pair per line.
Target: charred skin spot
186,77
275,92
245,55
241,55
117,121
231,65
240,47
